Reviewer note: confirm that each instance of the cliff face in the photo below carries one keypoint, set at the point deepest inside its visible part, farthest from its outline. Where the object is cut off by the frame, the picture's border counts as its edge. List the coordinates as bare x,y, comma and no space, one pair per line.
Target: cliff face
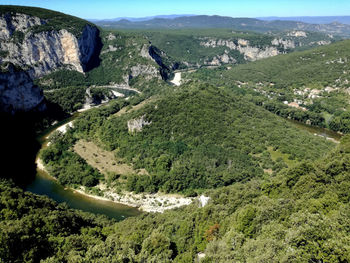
18,93
251,53
39,53
278,45
45,51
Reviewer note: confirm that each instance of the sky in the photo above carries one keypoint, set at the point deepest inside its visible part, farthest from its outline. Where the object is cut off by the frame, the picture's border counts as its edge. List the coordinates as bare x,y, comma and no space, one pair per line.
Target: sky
106,9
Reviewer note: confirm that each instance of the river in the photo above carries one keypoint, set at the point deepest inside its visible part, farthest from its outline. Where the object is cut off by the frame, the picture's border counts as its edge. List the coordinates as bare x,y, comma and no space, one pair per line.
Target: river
328,134
44,184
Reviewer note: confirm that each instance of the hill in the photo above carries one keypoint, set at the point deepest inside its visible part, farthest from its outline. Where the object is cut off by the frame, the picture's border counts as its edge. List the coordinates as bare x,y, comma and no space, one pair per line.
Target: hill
312,19
245,24
193,48
287,218
198,137
315,81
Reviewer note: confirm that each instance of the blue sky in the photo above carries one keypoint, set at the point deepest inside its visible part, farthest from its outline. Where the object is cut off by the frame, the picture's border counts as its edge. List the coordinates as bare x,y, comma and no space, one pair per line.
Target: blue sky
235,8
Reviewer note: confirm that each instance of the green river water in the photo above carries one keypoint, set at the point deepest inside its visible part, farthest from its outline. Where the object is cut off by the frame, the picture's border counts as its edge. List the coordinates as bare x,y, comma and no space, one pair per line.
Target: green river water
44,184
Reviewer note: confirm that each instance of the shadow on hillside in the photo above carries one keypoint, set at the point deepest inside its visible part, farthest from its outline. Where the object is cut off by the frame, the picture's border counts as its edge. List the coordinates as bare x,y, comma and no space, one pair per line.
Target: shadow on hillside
95,59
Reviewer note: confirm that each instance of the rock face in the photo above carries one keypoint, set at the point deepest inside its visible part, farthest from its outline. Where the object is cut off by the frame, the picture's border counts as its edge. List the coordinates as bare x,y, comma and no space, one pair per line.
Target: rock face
250,53
159,57
136,125
18,93
45,51
41,53
147,70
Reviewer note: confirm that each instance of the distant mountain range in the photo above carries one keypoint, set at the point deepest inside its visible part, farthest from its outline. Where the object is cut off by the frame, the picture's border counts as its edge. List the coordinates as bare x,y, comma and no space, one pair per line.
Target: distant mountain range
139,19
245,24
312,19
304,19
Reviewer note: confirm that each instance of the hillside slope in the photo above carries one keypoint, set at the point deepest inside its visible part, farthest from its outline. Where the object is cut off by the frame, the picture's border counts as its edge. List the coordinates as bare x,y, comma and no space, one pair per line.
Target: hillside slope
194,48
316,82
301,215
245,24
198,137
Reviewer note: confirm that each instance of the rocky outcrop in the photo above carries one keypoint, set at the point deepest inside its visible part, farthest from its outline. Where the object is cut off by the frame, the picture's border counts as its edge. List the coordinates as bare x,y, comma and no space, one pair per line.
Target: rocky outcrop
221,59
250,53
146,70
285,43
165,68
38,53
18,93
44,52
136,125
17,22
296,33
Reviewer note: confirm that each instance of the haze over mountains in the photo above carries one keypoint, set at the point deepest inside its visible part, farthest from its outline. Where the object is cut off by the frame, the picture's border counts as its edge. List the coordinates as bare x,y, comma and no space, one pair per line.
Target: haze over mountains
305,19
138,19
250,24
311,19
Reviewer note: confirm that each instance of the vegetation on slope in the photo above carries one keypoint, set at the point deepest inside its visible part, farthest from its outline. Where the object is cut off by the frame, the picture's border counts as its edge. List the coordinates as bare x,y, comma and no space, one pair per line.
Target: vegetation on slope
219,22
316,79
184,45
53,20
120,52
299,215
34,227
199,137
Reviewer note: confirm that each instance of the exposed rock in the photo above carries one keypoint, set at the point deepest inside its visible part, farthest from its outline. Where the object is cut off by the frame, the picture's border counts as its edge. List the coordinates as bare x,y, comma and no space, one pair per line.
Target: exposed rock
297,33
221,59
111,37
39,54
145,52
254,53
250,53
18,93
159,57
148,71
200,256
110,48
243,42
46,51
203,200
323,42
285,43
16,22
136,125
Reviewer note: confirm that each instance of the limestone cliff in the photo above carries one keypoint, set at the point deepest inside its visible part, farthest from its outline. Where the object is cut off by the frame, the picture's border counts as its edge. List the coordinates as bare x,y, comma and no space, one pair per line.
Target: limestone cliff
45,51
18,93
251,53
39,52
277,45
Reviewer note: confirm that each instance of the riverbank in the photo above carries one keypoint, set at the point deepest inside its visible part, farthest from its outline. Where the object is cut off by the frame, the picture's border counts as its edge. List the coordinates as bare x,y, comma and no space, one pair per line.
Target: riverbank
156,203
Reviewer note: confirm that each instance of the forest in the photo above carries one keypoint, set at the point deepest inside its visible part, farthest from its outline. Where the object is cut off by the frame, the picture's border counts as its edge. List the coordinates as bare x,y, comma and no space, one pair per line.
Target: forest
199,137
317,80
299,215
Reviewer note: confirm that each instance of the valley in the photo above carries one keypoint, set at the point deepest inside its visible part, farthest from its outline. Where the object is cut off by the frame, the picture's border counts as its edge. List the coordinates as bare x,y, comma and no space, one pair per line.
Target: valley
185,139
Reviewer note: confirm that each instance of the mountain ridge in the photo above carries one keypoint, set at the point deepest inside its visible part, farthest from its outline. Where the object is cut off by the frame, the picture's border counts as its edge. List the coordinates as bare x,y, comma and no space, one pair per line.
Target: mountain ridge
215,21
